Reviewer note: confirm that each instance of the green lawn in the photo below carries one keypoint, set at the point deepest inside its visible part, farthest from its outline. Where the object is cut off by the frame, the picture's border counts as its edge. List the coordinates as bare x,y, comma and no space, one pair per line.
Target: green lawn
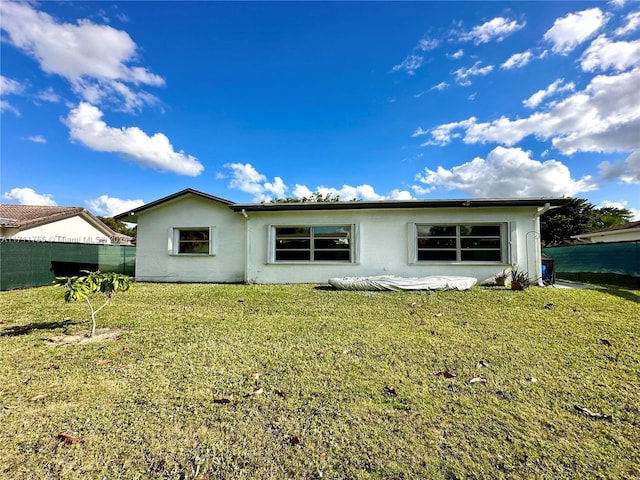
301,381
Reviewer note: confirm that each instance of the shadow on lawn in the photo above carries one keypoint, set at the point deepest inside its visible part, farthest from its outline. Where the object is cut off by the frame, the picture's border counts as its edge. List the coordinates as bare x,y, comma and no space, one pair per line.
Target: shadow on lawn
24,329
630,295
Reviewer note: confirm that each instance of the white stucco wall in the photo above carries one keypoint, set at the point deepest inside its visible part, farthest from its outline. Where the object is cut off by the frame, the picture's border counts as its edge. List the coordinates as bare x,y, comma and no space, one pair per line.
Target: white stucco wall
156,262
383,243
74,229
618,236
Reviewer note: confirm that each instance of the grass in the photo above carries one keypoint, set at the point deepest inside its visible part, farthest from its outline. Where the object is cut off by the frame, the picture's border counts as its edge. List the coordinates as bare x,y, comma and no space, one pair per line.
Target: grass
304,382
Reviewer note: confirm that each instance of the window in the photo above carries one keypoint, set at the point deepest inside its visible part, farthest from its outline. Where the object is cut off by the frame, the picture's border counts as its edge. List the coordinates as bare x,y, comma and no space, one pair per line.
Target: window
461,243
191,241
313,244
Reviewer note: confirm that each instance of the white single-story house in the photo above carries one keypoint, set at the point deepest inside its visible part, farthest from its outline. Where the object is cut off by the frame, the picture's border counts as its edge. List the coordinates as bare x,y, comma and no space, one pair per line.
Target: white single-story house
627,232
55,224
191,236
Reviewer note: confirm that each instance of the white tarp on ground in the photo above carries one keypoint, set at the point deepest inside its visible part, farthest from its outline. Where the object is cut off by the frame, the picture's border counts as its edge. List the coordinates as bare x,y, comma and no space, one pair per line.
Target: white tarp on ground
391,282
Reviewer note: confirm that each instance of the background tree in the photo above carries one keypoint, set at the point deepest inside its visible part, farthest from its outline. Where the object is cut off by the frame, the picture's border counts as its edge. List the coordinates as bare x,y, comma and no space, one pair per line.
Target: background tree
578,216
119,227
315,197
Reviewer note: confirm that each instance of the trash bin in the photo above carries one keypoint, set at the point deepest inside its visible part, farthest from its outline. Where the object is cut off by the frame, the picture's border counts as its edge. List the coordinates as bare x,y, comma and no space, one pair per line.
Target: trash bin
548,270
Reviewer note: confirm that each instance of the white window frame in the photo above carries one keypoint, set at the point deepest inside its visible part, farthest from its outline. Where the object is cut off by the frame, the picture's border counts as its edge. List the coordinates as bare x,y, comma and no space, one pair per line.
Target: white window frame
353,244
505,234
174,241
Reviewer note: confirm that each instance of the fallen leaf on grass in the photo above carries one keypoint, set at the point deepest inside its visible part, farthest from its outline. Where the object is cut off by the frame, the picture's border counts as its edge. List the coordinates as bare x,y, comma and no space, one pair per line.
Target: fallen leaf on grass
482,363
69,439
294,440
123,368
258,391
39,397
478,380
390,389
221,400
103,361
281,393
590,414
445,374
606,342
54,367
532,379
347,351
256,376
10,407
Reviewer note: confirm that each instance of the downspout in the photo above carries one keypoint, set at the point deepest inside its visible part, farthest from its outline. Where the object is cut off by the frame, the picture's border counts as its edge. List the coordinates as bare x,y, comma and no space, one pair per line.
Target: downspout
246,246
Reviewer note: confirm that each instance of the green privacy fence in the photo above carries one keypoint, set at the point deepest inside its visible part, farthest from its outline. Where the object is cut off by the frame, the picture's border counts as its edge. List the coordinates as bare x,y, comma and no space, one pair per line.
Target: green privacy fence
621,258
31,264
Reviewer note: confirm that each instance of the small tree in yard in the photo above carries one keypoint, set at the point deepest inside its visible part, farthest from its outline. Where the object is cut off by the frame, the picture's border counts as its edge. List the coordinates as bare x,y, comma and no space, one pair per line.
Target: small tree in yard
91,286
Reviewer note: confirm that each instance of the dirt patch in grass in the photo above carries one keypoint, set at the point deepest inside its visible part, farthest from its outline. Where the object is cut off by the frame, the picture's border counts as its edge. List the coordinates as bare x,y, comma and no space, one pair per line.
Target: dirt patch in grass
101,335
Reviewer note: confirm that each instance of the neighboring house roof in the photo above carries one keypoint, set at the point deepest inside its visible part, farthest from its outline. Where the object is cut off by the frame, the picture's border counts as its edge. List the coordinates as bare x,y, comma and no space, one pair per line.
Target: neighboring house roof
354,205
629,227
132,215
24,217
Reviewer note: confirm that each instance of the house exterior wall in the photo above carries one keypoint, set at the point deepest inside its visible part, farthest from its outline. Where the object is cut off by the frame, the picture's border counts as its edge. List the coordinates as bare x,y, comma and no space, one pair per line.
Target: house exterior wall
383,242
73,229
156,260
618,236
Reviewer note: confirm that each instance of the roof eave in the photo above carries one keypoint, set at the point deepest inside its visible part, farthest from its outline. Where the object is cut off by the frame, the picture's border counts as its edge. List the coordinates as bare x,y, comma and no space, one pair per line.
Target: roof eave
397,204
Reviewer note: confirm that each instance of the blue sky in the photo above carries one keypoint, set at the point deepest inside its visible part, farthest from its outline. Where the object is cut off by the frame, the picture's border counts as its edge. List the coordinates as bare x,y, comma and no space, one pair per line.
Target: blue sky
109,105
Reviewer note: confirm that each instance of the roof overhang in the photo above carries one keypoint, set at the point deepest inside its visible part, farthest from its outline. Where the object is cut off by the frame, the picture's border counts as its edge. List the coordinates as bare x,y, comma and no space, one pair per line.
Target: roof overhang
401,204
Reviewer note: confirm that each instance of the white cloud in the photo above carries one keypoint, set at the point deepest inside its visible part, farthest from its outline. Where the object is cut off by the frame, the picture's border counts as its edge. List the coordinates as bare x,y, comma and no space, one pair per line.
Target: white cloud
633,23
496,29
109,206
556,87
28,196
36,139
517,60
246,178
86,126
427,44
302,191
602,118
463,74
7,107
627,171
9,86
604,54
457,54
94,58
507,172
349,193
575,28
441,86
49,95
409,64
